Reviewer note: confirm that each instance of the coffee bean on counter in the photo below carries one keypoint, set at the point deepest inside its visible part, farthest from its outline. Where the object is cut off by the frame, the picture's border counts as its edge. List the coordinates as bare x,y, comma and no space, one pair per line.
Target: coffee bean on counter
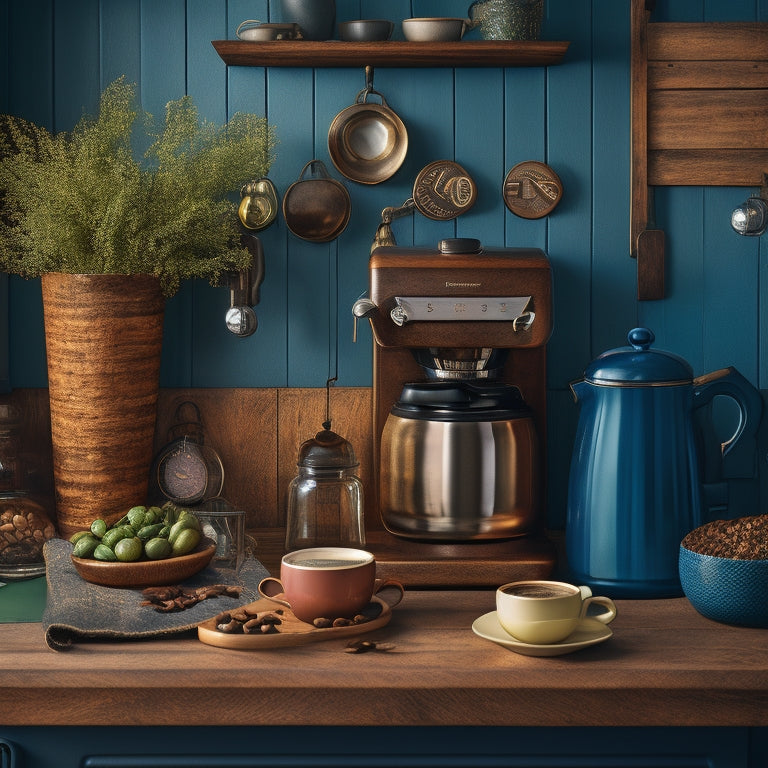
363,646
176,598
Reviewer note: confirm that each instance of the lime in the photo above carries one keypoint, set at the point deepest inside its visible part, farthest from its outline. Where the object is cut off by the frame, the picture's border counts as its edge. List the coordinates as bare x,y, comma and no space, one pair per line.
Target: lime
186,541
128,550
157,549
104,553
85,546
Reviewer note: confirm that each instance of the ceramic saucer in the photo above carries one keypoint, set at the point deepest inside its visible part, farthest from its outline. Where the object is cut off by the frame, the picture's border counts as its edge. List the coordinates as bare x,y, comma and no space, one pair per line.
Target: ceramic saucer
589,632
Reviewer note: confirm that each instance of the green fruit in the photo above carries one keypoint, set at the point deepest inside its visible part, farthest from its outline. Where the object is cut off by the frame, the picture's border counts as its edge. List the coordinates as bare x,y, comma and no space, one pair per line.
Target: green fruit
189,522
170,515
113,535
136,516
149,531
79,535
186,541
128,550
155,513
157,549
85,545
104,553
99,527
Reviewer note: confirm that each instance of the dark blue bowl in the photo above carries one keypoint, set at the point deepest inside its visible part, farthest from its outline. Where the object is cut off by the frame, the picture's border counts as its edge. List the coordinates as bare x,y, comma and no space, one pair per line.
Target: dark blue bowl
726,590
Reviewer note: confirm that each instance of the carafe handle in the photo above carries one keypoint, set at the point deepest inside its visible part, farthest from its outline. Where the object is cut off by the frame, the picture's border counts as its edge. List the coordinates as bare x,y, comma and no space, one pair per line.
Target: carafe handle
739,452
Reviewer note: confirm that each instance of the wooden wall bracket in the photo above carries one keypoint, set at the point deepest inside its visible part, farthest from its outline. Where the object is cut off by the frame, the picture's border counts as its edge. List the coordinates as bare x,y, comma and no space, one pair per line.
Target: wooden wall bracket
699,106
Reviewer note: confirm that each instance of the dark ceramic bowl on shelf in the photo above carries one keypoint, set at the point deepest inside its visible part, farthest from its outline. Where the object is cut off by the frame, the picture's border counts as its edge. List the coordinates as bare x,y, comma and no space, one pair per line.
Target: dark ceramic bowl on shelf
365,30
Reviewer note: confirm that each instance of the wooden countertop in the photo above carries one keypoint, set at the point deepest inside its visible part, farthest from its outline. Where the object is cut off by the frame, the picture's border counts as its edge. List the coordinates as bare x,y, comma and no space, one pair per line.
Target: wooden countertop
665,665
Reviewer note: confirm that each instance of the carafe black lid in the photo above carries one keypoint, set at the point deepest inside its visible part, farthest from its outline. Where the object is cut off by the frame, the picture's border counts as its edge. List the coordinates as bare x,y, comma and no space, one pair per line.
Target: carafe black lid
460,401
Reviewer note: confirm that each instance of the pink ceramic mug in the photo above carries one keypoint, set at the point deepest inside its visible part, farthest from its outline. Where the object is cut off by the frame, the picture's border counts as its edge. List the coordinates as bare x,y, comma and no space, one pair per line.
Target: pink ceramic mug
323,582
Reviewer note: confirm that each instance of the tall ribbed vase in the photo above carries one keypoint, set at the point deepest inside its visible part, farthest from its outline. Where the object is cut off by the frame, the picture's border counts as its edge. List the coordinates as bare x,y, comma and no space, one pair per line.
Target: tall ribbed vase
103,336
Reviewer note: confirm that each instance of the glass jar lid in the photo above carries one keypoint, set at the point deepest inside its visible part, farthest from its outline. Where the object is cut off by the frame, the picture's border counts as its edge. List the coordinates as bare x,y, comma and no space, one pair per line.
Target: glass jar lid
327,450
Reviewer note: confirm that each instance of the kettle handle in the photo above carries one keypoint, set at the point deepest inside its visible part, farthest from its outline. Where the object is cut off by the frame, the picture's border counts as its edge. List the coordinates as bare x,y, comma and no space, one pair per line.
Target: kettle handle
740,449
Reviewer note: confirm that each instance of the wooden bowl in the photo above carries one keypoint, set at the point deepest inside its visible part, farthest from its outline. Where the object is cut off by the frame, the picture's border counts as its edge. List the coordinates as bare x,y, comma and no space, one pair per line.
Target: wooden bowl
146,573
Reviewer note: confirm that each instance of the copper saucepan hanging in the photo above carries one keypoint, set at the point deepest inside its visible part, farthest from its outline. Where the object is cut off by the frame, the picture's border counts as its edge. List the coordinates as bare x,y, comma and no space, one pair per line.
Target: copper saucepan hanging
367,141
316,208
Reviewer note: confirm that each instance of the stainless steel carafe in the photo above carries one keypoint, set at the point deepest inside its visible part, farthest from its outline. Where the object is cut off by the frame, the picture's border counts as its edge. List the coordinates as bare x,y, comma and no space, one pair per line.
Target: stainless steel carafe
459,461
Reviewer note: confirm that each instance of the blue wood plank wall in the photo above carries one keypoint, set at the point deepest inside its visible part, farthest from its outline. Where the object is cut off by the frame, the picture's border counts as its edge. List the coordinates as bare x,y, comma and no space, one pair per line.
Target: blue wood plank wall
59,54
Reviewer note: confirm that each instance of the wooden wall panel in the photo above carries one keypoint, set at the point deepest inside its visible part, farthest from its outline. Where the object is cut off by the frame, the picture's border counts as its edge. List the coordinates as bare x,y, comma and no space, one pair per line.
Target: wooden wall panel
257,433
573,116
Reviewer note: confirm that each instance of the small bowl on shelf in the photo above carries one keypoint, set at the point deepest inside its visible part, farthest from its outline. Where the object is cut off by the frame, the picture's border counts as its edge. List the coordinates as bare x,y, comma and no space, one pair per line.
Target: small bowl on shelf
434,29
365,30
730,590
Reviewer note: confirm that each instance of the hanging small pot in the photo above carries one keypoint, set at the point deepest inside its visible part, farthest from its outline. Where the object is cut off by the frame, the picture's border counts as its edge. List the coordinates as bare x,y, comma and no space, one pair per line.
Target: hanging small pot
316,208
367,142
258,204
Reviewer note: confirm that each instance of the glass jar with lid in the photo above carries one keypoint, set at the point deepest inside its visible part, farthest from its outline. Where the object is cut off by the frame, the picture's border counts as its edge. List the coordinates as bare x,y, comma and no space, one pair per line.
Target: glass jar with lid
325,499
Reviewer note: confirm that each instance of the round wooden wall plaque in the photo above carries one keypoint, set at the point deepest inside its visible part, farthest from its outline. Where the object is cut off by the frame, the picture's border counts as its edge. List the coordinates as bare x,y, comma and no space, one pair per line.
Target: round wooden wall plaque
532,190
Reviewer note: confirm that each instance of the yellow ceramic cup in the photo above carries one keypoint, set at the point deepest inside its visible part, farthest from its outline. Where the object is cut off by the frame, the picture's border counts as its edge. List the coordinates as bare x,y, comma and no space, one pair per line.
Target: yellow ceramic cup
545,612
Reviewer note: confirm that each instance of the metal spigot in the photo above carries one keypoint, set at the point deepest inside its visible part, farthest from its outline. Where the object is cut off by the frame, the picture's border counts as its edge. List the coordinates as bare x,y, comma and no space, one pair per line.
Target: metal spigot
384,235
244,288
362,308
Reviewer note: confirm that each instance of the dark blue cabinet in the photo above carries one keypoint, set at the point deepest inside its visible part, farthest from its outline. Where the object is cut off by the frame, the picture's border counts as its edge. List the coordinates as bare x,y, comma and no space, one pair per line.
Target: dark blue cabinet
417,747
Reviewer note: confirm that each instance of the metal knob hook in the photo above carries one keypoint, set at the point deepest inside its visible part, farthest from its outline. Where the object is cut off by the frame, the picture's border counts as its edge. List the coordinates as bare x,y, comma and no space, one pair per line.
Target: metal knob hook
244,291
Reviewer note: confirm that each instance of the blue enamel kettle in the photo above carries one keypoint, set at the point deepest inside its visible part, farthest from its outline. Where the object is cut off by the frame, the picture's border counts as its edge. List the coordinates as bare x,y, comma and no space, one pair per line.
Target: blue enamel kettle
635,482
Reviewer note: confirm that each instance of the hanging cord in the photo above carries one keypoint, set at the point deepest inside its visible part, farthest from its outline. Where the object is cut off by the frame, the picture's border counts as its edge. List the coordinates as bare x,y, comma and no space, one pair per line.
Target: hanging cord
327,422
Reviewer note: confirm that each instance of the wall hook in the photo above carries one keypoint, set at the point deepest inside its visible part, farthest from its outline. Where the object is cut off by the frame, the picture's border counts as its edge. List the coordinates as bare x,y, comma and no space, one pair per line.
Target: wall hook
751,217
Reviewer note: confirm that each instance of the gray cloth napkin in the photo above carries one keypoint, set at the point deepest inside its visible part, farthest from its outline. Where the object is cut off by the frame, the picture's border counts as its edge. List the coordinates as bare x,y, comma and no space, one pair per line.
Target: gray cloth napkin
78,610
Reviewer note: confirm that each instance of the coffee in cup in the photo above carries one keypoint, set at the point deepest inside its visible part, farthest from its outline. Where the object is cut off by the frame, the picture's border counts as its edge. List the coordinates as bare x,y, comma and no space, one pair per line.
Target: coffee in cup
323,582
545,612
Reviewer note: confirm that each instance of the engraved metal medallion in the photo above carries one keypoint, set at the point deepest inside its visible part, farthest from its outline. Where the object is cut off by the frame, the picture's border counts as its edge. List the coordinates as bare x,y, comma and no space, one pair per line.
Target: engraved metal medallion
532,190
443,190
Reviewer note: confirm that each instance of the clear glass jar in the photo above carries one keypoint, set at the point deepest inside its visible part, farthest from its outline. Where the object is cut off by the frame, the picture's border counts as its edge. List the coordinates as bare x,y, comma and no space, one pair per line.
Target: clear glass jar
11,471
325,499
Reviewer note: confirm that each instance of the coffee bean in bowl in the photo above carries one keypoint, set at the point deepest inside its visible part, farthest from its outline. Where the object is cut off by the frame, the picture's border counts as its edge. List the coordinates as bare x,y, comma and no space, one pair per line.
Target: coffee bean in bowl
724,570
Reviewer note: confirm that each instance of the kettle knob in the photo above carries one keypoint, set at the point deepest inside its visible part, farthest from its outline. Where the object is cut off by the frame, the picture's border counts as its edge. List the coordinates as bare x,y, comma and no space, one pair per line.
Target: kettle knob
641,338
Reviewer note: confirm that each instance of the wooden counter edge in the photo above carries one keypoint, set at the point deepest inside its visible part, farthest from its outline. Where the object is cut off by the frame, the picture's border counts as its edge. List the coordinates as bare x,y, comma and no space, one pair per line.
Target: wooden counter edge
377,706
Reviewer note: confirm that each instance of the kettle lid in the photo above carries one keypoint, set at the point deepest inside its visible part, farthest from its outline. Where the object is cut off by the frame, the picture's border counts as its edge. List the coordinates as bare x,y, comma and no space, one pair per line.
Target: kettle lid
638,364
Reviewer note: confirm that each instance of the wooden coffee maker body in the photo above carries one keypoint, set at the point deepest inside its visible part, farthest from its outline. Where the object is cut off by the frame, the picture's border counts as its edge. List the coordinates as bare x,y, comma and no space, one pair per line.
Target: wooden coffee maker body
464,278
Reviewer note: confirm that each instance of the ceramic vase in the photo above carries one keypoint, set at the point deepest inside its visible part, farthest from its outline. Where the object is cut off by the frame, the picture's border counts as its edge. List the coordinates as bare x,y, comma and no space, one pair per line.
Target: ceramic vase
103,336
317,18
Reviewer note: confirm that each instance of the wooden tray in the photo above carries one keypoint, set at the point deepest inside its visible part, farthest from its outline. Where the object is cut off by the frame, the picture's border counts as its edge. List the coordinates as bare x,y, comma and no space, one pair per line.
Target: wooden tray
293,632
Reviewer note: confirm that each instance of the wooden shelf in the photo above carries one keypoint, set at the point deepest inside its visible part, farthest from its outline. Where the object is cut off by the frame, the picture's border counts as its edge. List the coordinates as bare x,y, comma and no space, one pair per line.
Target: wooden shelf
393,53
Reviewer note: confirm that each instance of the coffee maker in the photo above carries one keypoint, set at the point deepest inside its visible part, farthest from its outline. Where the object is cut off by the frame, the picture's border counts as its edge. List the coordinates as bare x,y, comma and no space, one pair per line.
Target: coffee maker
459,329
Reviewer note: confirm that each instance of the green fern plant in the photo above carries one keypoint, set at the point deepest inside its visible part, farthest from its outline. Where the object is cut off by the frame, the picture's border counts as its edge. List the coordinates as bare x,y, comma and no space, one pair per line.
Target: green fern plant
80,201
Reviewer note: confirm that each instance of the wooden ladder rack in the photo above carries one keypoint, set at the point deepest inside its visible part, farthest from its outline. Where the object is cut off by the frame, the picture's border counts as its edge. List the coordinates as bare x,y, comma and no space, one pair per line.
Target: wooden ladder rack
699,117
